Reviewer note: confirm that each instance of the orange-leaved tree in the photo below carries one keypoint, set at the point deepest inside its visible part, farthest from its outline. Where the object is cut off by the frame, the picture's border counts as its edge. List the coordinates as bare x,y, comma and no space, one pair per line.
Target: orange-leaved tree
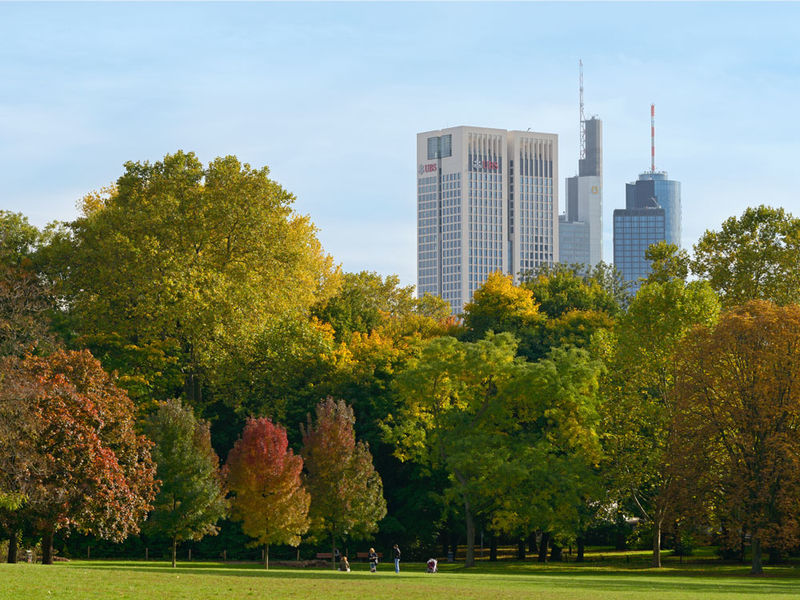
264,476
93,472
346,490
738,424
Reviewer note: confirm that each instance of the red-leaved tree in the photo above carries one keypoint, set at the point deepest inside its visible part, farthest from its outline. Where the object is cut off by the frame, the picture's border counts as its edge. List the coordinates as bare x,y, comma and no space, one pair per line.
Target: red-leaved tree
93,472
264,476
346,490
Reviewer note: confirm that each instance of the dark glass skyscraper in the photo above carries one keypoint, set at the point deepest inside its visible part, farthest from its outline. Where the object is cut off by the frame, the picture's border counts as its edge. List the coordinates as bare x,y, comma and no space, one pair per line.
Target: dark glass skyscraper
667,193
652,214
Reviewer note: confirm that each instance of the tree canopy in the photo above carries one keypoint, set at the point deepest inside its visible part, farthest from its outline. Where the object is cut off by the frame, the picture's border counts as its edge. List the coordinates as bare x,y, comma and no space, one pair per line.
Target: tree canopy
191,498
264,476
199,256
754,256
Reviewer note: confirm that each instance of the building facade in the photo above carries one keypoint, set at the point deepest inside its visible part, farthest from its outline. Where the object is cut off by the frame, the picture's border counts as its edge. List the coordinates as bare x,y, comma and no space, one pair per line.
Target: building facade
652,214
580,228
487,200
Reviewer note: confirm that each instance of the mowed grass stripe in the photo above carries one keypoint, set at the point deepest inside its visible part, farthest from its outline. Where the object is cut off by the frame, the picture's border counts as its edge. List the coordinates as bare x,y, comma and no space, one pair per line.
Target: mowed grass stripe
81,580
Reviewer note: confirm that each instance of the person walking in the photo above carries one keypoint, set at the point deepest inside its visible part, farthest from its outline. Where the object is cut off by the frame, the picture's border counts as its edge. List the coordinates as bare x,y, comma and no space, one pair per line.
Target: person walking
373,560
396,552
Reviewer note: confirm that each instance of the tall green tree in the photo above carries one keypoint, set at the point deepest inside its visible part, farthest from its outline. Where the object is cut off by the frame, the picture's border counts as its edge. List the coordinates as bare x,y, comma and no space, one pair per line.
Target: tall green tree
448,395
754,256
191,499
265,477
200,256
517,438
639,406
346,490
550,427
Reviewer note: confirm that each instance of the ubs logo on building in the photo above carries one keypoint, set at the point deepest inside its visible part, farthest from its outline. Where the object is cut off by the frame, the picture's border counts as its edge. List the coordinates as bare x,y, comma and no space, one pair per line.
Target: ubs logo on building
485,165
431,168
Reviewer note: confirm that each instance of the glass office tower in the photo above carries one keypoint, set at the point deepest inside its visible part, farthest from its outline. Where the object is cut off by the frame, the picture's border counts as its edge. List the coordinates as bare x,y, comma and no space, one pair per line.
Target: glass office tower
667,193
652,214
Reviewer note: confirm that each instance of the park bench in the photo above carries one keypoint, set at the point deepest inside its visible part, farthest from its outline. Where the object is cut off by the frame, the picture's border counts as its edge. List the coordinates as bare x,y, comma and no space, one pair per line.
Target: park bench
365,555
325,555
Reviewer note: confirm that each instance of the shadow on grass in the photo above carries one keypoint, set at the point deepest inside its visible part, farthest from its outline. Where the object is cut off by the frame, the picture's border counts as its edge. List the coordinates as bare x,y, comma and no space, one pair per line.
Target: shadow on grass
721,579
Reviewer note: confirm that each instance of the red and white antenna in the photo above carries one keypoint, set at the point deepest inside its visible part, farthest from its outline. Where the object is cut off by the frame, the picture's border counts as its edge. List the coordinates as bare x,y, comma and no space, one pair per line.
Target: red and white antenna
583,118
652,138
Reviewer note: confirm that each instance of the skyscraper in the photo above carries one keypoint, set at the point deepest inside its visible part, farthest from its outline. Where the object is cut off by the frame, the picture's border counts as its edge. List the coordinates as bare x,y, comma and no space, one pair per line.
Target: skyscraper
580,229
487,200
652,214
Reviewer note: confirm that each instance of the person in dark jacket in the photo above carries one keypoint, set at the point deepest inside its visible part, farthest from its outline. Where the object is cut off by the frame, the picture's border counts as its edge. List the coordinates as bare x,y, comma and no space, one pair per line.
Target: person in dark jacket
396,553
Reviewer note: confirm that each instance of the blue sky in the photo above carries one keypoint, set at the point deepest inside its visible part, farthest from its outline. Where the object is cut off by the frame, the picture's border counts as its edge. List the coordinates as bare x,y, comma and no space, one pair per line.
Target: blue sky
330,96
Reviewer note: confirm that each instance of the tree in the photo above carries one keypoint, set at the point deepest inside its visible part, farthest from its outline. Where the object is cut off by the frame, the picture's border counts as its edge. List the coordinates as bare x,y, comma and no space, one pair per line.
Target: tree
18,239
199,256
93,471
560,289
738,418
346,491
752,257
364,300
447,395
548,474
499,305
667,262
191,499
25,300
517,438
264,476
639,409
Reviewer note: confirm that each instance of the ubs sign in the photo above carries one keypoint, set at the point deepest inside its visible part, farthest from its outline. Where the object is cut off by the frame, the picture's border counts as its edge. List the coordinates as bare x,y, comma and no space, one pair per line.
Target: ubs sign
485,165
429,168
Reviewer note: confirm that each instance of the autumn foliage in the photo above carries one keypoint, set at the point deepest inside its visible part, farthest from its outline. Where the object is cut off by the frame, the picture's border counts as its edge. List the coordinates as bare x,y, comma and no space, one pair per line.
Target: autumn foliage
263,475
346,490
738,448
92,471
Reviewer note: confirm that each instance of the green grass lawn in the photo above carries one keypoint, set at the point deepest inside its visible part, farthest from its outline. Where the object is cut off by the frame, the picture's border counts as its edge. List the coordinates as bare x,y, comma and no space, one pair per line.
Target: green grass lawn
616,576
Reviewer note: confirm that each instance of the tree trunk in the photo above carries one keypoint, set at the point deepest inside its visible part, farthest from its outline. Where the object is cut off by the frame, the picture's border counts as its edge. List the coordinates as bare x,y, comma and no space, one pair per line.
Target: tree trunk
543,547
47,545
470,559
532,548
656,563
581,547
756,568
174,550
266,556
493,548
556,553
333,550
192,389
521,548
13,544
470,521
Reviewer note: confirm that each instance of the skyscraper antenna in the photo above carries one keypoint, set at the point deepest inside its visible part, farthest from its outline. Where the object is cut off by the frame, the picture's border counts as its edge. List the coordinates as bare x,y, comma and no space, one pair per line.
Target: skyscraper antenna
652,138
583,118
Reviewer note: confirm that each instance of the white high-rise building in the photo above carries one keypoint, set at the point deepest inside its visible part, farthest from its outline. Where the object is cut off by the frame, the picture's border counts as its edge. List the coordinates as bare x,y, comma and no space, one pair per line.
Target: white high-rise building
580,230
487,200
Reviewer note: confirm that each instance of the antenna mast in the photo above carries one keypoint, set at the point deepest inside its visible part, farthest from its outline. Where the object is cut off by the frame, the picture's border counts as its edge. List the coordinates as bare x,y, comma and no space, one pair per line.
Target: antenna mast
652,138
583,118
